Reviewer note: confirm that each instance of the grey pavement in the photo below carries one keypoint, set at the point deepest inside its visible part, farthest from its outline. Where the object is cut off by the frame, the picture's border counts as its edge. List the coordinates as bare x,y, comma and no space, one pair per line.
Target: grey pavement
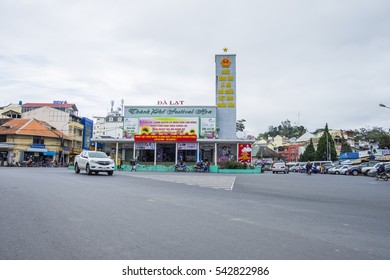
53,213
192,179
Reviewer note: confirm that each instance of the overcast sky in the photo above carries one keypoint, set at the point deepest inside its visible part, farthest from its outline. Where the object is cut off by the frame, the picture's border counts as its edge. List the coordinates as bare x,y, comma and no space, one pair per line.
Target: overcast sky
311,62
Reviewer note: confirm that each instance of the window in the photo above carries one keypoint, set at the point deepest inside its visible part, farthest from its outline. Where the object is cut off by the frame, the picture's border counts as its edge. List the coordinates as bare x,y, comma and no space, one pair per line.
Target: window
3,138
38,140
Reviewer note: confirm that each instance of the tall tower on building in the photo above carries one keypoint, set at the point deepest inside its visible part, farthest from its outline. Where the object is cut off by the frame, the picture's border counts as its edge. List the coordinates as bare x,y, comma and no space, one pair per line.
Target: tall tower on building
225,95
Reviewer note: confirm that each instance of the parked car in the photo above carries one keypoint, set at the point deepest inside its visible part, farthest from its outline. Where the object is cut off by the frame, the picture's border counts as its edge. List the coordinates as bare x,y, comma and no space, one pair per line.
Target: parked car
298,167
344,170
357,169
326,167
337,169
320,163
279,167
354,170
93,162
367,170
373,172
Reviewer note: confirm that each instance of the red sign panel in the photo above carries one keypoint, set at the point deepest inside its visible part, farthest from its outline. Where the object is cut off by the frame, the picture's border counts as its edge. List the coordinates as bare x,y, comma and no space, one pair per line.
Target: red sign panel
164,138
244,152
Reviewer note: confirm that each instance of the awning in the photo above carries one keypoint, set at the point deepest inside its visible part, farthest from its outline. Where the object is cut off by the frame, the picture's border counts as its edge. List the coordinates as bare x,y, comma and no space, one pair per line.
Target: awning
7,146
36,150
49,153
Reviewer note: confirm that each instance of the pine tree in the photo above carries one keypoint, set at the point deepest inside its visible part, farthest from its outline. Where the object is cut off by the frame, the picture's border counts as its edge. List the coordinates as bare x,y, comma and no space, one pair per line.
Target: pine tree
309,153
326,148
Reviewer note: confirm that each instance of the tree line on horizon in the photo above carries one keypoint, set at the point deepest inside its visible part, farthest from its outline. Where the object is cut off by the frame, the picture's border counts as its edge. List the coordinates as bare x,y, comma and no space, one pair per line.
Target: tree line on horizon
326,146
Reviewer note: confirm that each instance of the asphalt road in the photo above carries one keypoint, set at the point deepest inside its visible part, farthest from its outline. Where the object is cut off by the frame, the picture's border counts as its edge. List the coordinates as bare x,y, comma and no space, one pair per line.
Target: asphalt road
52,213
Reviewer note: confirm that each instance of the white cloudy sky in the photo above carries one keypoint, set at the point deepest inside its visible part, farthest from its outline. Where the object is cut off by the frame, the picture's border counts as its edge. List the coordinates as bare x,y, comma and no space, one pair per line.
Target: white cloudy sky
312,62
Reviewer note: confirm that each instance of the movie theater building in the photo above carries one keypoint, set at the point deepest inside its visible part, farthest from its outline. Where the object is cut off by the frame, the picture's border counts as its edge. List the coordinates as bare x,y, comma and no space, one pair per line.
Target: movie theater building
170,132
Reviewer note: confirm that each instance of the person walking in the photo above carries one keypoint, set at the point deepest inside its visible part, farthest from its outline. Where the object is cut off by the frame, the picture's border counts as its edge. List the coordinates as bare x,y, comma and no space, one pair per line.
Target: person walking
133,165
119,164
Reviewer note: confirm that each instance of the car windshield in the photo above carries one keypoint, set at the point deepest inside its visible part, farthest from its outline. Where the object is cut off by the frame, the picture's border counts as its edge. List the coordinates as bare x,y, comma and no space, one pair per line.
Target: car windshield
97,155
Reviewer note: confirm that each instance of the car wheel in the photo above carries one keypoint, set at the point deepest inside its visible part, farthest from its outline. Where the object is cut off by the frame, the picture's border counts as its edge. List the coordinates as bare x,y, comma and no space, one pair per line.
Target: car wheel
110,173
88,170
76,169
355,173
337,173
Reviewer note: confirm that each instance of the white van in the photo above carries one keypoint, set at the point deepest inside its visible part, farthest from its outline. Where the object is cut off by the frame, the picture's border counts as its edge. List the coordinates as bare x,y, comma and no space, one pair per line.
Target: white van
319,163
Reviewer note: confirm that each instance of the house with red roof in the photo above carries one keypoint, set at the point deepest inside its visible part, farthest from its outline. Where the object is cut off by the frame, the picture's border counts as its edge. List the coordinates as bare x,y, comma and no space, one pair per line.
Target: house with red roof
21,139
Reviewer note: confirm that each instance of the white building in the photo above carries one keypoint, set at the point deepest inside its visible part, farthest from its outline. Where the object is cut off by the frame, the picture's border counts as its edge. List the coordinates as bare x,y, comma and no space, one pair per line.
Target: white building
108,127
12,111
54,117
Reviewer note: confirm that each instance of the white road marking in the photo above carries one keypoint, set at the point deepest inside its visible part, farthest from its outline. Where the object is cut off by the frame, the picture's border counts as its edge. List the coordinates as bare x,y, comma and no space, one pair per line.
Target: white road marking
210,181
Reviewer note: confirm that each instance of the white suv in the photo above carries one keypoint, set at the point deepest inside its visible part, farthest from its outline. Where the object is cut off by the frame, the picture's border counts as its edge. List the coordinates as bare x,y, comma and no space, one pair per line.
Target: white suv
279,167
95,162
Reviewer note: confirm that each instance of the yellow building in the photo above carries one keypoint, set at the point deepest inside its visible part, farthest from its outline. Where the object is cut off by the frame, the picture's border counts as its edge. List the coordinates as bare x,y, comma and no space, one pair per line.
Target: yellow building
21,139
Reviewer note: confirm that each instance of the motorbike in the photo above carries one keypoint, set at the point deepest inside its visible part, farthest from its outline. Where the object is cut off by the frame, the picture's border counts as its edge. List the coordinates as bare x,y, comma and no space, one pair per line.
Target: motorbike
384,176
180,168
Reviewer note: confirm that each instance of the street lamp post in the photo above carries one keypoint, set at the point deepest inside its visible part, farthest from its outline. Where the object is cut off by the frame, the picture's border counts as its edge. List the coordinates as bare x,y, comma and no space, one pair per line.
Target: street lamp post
384,106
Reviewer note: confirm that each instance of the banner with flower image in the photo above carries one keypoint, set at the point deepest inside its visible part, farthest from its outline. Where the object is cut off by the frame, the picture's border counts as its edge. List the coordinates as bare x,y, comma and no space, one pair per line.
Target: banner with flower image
168,126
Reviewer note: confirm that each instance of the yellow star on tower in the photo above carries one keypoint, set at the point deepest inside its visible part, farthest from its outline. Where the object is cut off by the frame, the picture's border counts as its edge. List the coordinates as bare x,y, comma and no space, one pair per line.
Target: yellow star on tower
225,49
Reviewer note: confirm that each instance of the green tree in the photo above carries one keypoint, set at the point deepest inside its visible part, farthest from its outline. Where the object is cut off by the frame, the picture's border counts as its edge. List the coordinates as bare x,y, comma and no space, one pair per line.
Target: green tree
375,135
284,129
309,153
240,126
384,141
326,148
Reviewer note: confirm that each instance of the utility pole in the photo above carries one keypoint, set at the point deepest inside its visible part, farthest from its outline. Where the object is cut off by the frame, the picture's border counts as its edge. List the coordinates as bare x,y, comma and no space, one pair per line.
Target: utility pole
62,158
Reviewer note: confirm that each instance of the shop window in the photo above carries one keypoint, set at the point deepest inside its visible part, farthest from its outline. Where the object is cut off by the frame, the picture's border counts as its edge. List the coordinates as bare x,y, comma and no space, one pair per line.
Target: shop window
166,153
145,156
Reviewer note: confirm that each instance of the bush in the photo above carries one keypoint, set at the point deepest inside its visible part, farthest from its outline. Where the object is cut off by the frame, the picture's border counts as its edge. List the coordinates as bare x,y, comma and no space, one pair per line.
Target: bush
231,164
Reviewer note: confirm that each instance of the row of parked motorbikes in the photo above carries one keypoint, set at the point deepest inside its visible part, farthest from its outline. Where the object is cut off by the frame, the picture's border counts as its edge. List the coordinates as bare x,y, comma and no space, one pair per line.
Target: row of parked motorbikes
31,163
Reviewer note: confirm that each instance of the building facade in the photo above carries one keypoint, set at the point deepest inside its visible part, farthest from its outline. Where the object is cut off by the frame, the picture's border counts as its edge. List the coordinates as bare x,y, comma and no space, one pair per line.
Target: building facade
168,133
64,117
11,111
22,139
